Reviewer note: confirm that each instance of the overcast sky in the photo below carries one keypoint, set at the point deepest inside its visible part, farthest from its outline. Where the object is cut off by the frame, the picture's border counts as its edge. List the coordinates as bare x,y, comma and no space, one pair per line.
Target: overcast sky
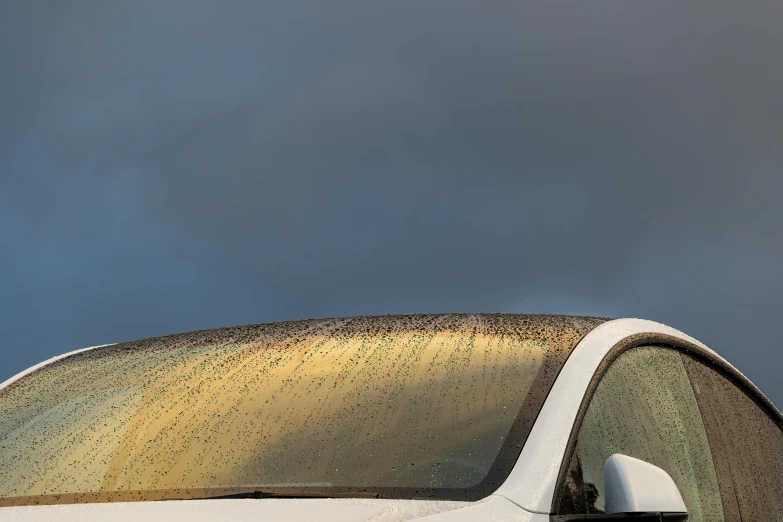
167,166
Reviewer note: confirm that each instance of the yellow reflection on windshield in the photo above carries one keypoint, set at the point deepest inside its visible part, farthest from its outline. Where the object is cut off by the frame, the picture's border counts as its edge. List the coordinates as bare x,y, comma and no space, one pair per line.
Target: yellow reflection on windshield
326,406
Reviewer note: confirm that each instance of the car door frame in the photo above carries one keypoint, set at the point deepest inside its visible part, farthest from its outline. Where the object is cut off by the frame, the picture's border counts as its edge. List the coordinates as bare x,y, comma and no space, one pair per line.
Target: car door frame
537,480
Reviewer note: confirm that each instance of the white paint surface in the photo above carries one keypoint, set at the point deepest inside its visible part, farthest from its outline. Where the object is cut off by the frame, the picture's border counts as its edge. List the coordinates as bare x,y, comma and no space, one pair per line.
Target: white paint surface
636,486
493,508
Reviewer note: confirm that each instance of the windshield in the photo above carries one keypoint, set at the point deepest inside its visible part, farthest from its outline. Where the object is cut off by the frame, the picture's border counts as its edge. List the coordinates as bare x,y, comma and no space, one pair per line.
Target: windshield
393,406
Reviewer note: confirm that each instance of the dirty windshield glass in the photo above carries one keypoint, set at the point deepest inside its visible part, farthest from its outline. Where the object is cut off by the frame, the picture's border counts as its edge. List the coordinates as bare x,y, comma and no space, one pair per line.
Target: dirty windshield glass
395,406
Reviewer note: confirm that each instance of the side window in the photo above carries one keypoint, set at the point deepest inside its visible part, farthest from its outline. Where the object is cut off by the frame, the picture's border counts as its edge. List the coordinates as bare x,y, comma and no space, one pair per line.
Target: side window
746,442
644,407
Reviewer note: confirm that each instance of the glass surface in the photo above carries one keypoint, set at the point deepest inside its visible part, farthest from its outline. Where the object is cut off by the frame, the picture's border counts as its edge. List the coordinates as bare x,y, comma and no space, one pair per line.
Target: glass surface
415,405
747,444
644,407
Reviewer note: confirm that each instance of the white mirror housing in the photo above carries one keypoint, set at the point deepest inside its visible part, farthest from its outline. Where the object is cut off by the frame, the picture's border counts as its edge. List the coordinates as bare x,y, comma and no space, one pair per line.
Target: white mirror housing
635,486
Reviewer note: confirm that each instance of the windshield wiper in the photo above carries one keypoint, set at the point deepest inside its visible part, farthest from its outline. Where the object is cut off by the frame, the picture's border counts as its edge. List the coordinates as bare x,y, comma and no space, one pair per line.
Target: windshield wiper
262,493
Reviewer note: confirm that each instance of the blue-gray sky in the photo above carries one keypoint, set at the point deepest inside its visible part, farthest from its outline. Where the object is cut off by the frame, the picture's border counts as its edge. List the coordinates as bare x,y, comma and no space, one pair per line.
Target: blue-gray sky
175,165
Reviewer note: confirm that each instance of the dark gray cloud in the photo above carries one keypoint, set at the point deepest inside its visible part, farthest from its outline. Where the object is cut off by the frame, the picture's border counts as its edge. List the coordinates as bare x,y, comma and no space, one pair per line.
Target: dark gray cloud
170,166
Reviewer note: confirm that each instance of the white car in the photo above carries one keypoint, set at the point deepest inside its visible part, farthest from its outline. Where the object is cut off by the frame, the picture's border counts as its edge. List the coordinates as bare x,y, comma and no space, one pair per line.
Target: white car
452,417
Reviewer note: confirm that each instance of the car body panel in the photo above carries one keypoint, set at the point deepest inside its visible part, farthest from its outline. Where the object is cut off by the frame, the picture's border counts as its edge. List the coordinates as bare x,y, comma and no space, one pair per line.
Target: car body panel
492,508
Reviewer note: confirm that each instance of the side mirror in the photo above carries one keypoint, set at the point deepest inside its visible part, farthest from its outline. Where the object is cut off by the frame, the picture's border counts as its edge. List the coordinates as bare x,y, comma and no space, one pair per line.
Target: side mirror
640,490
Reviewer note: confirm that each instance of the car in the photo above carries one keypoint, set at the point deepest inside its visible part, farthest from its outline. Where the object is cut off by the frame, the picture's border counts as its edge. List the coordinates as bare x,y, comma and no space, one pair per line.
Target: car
437,417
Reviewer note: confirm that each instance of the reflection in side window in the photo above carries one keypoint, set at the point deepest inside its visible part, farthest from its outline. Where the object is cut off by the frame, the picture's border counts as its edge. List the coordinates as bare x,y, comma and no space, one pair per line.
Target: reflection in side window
644,407
747,443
